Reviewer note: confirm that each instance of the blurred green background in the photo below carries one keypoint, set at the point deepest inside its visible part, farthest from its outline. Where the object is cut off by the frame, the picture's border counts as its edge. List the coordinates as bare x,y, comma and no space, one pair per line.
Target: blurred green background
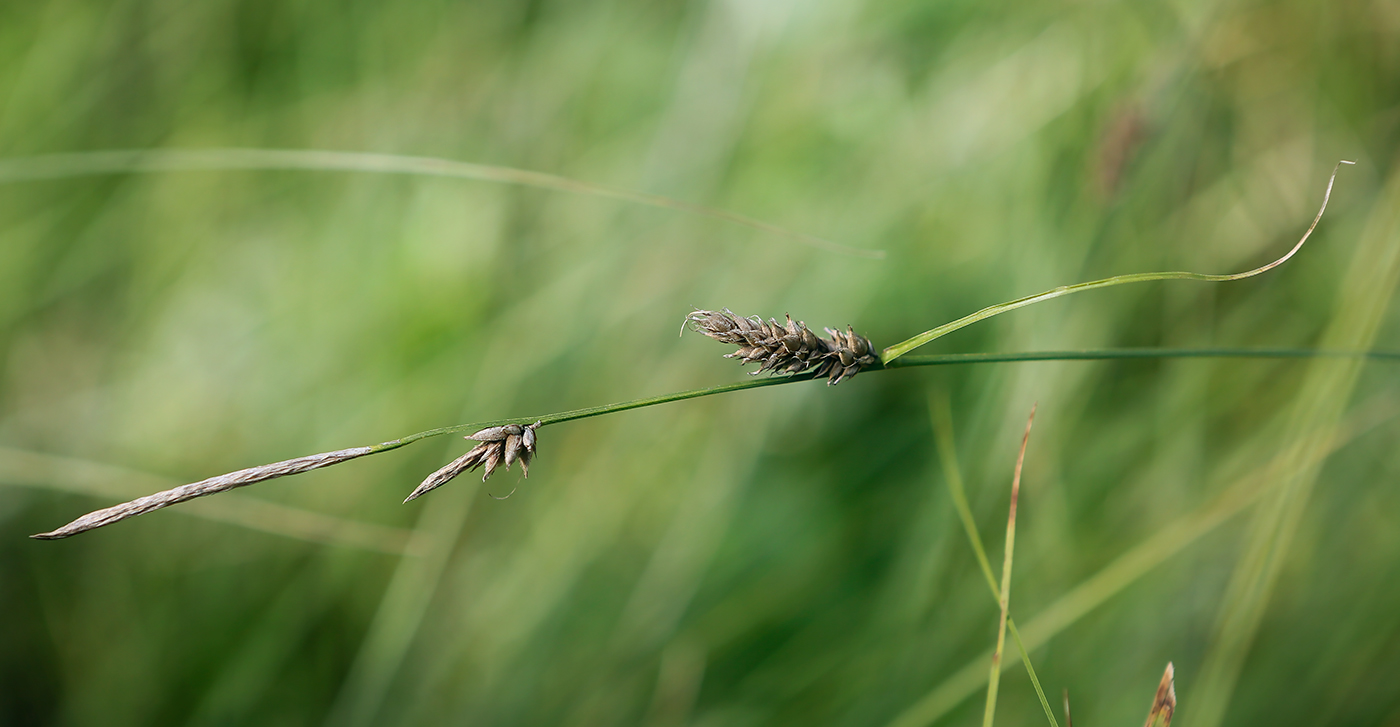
788,555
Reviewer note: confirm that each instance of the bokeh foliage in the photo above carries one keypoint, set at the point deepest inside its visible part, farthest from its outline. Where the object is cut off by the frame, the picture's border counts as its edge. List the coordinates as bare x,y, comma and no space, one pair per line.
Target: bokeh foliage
781,556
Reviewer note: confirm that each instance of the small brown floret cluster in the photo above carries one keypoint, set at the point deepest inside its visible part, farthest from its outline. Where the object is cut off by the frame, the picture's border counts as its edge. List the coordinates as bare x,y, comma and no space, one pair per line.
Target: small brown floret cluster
787,349
505,444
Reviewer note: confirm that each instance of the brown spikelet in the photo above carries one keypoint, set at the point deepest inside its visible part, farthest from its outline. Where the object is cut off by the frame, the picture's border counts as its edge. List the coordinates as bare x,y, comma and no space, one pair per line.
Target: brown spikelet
506,445
184,493
789,348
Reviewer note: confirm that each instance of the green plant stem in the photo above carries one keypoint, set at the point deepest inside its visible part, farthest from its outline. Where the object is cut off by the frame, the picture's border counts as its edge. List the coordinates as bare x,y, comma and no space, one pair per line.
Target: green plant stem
593,411
1111,354
994,676
906,362
1030,670
899,349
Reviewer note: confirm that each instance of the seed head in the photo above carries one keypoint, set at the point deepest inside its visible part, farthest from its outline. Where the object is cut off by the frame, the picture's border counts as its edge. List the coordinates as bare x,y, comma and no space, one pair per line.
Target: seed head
789,348
510,443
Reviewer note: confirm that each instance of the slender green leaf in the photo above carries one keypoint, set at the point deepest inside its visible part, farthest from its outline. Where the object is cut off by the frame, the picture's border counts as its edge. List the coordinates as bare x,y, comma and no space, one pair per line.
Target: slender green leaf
903,347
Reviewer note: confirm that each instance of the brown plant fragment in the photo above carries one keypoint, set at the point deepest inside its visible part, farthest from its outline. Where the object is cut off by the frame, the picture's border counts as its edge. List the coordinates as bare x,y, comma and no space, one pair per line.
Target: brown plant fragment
1164,704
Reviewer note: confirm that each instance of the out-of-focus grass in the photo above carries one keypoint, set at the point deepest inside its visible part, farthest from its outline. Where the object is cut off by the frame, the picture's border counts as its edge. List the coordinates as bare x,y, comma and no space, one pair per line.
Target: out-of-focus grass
776,556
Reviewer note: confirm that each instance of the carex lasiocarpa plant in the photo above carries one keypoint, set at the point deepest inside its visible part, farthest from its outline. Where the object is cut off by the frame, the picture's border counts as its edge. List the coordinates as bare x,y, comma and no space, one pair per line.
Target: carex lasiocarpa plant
789,351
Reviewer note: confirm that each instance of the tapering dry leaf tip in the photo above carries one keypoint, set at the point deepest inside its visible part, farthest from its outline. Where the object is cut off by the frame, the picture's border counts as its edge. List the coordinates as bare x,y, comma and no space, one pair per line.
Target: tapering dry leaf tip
787,348
1164,703
509,443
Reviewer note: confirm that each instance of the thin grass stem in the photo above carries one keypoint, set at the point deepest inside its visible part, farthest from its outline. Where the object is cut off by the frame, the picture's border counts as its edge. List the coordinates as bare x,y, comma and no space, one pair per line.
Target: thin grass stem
1030,670
947,454
1113,354
936,360
994,676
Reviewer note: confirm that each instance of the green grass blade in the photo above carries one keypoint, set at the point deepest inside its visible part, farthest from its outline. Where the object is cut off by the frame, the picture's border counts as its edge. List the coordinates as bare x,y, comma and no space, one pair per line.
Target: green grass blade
994,675
899,349
123,161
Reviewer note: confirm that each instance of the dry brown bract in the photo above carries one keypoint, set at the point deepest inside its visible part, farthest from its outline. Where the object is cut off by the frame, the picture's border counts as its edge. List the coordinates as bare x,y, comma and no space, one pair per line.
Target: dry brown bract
787,349
505,444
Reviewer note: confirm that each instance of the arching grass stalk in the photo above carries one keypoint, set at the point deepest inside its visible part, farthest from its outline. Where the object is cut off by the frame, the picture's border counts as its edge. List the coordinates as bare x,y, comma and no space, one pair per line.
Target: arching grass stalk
241,478
899,349
123,161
